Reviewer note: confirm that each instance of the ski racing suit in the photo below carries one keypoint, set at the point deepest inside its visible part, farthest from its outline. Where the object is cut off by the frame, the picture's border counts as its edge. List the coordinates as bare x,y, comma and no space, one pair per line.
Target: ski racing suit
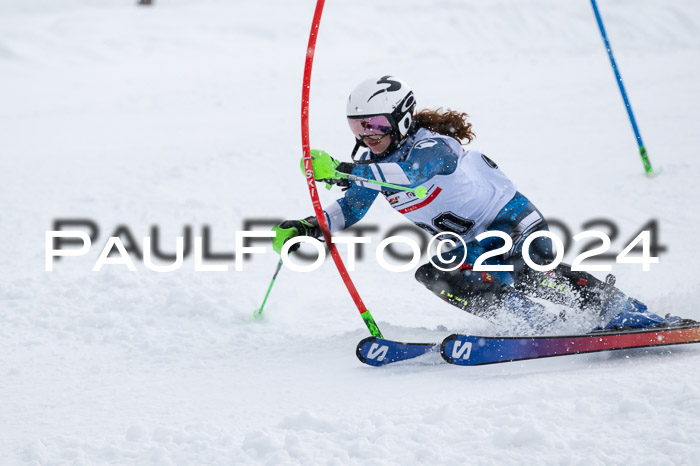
467,194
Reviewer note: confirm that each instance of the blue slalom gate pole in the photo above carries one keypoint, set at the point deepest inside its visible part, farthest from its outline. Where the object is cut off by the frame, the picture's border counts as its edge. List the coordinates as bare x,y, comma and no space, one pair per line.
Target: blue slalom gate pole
642,150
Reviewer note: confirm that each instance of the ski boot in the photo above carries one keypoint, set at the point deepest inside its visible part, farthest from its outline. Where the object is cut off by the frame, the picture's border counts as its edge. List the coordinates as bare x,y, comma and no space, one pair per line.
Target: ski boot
620,312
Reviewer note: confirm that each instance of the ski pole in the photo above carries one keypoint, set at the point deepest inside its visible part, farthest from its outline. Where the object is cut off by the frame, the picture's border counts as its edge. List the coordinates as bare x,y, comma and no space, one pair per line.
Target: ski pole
642,150
420,191
257,314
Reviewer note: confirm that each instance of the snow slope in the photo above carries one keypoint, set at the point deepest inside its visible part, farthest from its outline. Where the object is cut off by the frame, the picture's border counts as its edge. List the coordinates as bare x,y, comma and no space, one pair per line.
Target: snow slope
187,114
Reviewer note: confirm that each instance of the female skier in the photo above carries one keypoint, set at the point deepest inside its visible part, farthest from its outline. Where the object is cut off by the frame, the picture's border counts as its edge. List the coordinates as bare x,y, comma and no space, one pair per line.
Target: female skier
467,194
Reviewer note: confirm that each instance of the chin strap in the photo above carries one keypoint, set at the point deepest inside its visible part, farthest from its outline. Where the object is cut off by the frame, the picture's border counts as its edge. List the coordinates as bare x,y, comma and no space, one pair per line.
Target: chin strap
358,145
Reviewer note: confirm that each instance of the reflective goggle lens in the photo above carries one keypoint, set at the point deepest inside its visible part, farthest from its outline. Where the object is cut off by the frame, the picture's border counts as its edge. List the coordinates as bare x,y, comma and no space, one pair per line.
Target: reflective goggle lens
370,126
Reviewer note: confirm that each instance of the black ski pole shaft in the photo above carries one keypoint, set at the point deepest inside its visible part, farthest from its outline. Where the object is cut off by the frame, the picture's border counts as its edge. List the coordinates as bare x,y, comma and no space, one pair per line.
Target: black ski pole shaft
258,312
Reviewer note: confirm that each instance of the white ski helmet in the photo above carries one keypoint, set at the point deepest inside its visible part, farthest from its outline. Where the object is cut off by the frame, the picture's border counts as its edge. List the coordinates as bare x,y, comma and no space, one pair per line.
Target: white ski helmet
387,96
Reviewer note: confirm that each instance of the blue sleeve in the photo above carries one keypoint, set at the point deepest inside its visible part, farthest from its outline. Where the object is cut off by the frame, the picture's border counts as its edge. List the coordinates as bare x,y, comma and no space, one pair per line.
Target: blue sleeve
356,203
428,158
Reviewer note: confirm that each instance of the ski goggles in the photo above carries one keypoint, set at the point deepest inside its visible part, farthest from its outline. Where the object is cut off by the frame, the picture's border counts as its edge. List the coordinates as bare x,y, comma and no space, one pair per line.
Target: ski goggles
377,125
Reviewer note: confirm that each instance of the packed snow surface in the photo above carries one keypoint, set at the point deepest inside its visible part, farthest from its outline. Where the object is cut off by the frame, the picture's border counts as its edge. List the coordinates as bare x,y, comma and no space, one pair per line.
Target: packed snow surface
186,114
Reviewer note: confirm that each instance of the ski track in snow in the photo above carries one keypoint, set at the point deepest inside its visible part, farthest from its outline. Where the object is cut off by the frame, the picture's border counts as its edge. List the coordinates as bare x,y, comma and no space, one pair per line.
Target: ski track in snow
187,113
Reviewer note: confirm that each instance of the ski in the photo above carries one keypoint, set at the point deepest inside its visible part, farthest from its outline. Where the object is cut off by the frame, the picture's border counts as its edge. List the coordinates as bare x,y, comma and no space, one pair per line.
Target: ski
378,351
466,350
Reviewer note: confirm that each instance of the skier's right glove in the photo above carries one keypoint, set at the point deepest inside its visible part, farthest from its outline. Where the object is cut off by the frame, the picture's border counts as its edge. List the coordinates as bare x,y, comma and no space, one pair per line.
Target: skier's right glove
327,169
292,228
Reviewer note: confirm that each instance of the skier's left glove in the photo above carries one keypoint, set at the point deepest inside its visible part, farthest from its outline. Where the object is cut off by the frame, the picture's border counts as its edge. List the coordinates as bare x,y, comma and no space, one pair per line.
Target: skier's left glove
327,169
292,228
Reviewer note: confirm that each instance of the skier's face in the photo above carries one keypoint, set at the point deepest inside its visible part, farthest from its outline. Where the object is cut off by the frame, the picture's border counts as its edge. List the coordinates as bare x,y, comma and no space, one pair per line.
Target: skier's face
373,130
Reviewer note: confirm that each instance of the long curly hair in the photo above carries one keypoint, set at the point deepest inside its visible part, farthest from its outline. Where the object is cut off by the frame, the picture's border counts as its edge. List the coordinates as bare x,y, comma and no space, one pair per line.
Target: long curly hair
448,122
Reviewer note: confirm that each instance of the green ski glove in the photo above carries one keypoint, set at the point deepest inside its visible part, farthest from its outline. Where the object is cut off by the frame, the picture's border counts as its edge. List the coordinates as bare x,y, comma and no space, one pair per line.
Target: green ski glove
292,228
326,168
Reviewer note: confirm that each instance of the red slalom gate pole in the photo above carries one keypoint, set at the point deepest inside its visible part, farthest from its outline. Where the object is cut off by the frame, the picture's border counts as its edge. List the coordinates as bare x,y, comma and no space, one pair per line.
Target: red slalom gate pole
311,182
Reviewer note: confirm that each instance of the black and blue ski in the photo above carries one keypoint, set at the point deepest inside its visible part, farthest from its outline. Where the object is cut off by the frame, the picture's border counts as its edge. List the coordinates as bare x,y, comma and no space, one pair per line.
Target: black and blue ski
472,350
